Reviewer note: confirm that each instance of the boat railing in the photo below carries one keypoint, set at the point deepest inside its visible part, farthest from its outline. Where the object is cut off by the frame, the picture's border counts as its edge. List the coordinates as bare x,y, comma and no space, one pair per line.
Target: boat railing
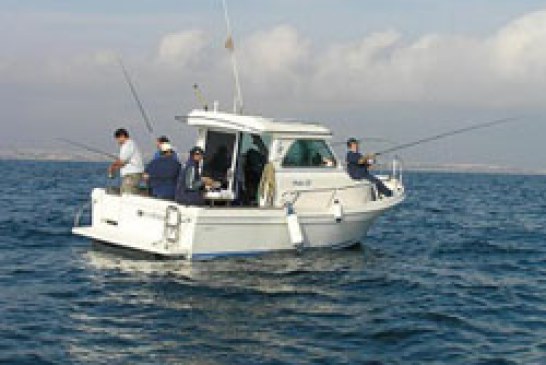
395,172
290,197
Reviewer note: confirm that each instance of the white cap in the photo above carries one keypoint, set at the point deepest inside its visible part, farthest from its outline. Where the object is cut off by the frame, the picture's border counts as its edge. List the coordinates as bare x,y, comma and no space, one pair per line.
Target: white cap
165,146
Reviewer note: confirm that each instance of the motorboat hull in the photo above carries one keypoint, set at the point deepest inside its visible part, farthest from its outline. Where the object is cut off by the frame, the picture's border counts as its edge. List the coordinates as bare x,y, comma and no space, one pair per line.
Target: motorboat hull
170,230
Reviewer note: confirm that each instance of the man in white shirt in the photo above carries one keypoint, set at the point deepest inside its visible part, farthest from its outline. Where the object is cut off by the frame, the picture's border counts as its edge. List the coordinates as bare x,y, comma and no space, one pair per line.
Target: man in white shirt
129,163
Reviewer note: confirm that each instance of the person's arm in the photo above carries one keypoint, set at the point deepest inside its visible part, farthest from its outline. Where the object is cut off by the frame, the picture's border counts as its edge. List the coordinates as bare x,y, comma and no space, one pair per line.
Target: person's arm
149,170
125,154
116,165
367,160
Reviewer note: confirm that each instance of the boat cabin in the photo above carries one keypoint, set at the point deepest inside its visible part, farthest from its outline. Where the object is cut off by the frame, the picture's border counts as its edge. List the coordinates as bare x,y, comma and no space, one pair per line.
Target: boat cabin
244,152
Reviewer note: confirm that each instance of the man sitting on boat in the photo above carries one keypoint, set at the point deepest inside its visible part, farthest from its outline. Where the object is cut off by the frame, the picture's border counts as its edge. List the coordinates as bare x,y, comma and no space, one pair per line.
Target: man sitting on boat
162,173
191,185
358,166
129,163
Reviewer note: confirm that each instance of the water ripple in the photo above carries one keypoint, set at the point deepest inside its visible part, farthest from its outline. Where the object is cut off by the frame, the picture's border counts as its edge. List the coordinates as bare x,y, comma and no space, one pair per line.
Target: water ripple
456,276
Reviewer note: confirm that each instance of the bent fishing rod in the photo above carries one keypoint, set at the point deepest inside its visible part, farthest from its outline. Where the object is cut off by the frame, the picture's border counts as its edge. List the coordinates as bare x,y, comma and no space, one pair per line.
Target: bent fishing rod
367,139
137,99
87,148
447,134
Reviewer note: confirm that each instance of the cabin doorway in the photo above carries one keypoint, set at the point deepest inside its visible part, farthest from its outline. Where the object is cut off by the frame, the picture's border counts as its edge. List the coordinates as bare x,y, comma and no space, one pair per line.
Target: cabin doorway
253,156
219,157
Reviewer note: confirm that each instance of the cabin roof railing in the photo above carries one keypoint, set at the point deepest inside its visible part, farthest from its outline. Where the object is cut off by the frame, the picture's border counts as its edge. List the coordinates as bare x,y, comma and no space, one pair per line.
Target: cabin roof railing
254,124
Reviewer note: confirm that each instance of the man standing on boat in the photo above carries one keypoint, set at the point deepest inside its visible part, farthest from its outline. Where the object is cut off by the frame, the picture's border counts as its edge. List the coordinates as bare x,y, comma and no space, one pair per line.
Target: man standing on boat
358,167
129,163
162,173
159,142
190,186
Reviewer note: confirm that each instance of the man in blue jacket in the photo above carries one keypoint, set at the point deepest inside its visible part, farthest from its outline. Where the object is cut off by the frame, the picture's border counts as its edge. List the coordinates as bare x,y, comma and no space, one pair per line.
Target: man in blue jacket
358,167
159,142
162,173
190,187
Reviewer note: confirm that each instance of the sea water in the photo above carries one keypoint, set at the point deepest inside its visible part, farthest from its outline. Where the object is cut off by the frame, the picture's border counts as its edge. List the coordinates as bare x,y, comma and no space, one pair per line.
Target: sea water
455,275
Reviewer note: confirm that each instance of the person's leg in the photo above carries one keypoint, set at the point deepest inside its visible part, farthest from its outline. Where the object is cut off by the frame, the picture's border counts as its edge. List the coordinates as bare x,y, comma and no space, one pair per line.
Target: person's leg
129,183
381,187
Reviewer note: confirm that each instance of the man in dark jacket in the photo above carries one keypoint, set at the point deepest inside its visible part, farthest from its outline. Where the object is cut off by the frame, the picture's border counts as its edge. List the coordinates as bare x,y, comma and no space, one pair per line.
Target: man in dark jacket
162,173
358,167
190,186
159,142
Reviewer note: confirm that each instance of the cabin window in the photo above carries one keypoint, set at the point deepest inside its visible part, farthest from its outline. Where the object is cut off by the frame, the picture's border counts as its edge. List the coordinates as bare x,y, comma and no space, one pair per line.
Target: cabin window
309,153
218,157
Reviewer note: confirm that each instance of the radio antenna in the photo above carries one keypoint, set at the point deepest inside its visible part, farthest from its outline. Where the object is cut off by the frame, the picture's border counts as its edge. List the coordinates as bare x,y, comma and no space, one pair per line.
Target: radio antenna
230,45
200,97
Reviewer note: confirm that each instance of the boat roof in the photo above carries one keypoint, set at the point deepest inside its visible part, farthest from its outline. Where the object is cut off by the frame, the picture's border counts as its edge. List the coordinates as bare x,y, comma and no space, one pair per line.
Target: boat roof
254,124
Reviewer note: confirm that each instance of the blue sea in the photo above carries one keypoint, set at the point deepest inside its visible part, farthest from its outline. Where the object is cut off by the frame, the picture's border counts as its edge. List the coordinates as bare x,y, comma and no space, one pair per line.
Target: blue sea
455,275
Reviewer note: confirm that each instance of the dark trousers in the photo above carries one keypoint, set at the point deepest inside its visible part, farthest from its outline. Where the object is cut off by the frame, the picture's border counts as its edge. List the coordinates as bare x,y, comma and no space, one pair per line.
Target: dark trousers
381,188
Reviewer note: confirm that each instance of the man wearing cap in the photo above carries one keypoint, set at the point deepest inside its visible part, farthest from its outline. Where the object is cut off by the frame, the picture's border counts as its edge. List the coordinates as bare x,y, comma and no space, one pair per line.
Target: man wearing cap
190,186
159,142
162,173
129,163
358,167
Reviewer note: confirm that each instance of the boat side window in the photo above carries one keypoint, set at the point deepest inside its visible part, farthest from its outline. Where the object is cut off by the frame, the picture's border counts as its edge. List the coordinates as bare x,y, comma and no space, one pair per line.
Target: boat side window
309,153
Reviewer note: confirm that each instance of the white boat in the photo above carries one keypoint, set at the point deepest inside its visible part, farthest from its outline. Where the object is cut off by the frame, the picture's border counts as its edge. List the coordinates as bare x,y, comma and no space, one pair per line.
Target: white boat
307,198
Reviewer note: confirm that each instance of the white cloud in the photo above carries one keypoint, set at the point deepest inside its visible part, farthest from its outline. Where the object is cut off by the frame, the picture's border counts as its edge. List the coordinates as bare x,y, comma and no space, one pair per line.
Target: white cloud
181,48
279,50
105,58
506,68
520,47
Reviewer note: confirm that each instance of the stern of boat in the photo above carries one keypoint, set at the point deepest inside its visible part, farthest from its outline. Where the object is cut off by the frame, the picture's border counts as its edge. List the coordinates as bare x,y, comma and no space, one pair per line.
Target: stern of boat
139,223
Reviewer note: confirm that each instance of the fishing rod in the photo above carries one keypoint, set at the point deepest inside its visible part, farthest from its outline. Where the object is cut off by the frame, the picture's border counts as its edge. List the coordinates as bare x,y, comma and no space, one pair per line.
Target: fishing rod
448,134
368,139
87,148
137,99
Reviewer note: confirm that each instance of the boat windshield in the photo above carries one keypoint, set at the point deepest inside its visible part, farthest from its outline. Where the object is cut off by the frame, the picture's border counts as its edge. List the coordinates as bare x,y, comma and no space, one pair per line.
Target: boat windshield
309,153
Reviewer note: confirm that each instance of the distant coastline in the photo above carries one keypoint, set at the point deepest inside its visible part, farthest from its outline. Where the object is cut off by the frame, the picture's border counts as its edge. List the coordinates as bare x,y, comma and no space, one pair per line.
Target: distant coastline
472,168
49,155
52,156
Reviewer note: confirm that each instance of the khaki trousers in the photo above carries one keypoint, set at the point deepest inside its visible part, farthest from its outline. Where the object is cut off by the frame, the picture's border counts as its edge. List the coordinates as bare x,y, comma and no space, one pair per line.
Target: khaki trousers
129,183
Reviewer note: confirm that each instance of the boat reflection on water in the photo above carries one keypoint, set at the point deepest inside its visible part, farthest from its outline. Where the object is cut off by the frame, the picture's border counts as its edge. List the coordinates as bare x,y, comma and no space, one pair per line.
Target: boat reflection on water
226,271
175,310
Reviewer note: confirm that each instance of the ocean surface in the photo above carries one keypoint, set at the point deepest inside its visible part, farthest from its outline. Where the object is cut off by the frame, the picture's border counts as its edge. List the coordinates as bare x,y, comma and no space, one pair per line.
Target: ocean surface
455,275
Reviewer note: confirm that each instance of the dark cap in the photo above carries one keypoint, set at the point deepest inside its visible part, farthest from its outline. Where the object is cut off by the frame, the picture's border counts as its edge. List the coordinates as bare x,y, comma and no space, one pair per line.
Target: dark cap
163,139
196,150
351,140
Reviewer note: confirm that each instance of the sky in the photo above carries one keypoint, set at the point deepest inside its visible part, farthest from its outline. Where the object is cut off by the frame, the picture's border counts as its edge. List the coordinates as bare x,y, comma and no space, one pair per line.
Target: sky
393,69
